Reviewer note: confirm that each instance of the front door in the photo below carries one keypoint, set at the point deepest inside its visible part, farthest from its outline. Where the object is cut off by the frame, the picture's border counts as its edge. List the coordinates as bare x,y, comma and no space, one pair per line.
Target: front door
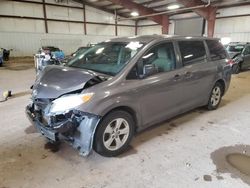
159,94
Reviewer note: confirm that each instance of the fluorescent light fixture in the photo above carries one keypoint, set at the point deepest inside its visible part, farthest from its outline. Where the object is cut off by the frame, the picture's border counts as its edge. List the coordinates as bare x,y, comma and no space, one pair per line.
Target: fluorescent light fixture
173,6
134,13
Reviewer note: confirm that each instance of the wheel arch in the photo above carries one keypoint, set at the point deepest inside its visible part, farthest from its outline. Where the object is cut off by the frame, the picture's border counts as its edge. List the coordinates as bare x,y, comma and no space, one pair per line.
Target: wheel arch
127,109
222,82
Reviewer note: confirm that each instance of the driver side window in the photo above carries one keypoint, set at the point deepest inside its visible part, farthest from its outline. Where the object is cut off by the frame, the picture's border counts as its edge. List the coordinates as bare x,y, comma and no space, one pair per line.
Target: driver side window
160,58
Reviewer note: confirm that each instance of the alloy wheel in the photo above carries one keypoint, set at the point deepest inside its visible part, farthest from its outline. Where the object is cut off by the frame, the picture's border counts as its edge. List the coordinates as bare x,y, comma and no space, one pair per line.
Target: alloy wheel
216,95
116,134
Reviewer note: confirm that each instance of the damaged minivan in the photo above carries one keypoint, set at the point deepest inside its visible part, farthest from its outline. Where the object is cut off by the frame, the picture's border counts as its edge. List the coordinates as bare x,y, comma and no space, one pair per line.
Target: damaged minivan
106,94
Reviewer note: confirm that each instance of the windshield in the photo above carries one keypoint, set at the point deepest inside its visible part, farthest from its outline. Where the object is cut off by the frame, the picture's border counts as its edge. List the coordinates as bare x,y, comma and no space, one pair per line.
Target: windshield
81,50
235,48
108,58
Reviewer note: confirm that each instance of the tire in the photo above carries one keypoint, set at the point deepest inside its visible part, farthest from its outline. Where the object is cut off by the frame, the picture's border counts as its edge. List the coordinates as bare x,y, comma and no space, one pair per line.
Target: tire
215,96
114,134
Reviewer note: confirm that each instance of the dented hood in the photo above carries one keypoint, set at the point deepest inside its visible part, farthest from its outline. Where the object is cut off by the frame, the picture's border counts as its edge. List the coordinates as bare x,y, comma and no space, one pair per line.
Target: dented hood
55,81
233,54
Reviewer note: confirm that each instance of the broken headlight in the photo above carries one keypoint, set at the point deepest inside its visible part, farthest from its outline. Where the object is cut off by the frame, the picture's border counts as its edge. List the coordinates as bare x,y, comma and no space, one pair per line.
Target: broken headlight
69,102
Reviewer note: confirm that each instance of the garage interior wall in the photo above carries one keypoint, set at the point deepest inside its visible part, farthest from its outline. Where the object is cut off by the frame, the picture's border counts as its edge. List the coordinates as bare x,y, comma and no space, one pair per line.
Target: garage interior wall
191,26
233,23
147,27
26,36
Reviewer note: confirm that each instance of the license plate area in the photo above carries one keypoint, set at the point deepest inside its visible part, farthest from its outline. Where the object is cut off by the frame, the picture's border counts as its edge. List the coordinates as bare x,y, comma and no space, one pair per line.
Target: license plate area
47,133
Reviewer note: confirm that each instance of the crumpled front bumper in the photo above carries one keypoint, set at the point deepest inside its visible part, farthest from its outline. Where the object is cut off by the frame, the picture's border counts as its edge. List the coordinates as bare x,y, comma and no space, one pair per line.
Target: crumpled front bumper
77,128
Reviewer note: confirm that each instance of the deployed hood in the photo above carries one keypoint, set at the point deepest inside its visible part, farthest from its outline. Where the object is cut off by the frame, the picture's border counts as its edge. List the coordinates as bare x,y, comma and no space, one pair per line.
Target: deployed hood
55,81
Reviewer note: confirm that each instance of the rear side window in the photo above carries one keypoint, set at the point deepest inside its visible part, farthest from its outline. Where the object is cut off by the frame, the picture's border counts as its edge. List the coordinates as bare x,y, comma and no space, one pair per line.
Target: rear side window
192,52
216,50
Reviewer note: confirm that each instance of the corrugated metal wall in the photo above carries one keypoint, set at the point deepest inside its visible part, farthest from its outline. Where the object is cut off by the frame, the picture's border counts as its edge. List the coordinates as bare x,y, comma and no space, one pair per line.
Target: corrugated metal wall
237,28
191,26
25,36
147,27
27,44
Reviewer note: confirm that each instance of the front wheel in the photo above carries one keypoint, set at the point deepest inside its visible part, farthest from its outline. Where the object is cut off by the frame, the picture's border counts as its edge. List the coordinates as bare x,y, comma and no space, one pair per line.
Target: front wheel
114,134
215,96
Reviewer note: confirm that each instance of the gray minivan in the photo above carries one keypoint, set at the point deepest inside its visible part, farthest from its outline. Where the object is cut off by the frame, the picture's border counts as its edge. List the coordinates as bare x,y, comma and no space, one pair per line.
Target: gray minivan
106,94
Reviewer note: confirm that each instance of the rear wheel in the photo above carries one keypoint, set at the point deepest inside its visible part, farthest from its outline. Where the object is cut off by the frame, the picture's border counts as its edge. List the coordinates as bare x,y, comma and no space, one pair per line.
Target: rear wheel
215,96
114,134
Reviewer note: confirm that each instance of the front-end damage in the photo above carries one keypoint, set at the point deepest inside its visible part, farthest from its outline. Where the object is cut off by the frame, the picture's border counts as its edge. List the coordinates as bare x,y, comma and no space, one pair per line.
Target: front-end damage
75,127
55,109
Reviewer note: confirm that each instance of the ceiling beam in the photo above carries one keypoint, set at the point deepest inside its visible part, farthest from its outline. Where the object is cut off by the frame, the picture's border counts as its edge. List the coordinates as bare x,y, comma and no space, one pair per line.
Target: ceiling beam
160,6
146,2
151,2
208,13
97,7
203,12
112,7
231,5
41,3
128,4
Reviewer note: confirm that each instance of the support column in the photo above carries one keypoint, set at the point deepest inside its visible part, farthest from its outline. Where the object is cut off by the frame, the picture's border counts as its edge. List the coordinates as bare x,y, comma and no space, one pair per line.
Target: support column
210,27
165,24
211,21
45,17
136,27
116,28
203,27
84,18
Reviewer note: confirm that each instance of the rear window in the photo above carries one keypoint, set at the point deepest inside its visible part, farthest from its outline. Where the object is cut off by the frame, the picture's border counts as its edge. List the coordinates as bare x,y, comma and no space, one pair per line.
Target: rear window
192,52
216,50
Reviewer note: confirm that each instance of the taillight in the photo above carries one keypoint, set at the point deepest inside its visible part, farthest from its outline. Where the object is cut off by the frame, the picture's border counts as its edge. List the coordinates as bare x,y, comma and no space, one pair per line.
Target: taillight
230,62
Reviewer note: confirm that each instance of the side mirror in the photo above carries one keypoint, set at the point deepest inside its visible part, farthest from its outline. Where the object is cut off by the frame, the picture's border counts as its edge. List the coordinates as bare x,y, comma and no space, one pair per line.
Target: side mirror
149,70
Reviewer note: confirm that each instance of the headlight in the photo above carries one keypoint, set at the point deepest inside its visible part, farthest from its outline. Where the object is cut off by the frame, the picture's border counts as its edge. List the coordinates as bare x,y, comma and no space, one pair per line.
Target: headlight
68,102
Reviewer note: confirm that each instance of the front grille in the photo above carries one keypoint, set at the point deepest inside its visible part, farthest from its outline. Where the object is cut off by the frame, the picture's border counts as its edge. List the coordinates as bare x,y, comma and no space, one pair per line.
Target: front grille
41,104
39,108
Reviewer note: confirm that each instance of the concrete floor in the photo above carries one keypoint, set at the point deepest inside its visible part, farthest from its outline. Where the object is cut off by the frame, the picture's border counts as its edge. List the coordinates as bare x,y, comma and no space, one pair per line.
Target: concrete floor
188,151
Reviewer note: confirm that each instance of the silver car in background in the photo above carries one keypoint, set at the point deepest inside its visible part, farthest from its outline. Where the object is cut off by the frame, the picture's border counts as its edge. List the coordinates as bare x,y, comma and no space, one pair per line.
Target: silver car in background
240,53
124,85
